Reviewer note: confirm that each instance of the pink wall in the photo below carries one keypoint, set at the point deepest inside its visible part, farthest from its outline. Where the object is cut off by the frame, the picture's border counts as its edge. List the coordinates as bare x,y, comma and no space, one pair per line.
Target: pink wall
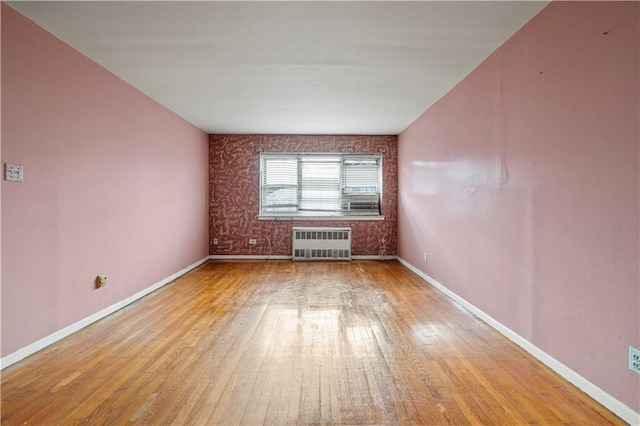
0,178
235,193
114,184
522,186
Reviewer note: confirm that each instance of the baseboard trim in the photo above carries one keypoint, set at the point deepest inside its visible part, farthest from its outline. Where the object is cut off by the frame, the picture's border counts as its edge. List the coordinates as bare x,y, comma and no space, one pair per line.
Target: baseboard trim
373,257
24,352
248,257
612,404
283,257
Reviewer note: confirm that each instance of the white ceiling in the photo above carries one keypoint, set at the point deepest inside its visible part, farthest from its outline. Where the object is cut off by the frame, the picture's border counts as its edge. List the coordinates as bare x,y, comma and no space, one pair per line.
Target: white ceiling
288,67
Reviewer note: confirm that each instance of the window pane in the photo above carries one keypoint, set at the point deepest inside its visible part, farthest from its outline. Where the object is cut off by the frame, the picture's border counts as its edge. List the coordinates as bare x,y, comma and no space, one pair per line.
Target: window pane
279,198
279,183
320,183
361,175
361,185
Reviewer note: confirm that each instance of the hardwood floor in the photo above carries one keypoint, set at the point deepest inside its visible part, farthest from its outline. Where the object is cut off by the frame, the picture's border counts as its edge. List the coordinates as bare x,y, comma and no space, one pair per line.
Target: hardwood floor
279,342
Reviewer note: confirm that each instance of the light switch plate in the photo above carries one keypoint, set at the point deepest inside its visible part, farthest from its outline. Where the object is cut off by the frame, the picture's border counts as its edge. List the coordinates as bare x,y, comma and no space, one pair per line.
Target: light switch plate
13,172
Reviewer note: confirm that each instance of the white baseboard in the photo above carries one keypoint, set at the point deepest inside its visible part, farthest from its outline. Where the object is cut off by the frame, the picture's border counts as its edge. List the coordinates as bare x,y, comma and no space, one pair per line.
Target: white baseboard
284,257
248,257
22,353
618,408
373,257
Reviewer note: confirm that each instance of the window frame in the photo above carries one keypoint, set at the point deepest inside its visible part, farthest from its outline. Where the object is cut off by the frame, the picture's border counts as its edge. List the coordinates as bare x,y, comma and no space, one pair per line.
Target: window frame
318,215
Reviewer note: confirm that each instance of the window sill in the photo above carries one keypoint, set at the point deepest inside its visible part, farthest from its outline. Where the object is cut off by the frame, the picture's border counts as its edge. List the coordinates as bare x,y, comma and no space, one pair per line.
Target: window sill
333,217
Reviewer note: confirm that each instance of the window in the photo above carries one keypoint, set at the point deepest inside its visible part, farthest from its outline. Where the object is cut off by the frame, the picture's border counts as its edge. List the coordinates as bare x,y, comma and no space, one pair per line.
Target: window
320,184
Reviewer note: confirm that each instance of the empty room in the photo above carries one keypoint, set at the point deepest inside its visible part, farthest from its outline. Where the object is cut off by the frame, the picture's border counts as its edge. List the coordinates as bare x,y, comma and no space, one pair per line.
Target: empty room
320,212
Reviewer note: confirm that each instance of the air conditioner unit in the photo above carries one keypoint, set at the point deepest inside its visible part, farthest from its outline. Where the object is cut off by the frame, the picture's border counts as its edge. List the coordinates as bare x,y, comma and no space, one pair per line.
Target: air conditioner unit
361,203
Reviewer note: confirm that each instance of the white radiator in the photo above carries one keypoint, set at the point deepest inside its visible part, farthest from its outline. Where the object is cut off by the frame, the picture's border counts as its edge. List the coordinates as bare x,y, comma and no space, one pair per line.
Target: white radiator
321,243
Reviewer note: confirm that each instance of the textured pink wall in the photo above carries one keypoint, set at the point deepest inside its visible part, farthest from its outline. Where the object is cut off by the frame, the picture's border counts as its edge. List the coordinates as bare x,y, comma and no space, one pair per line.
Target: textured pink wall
235,193
114,183
522,185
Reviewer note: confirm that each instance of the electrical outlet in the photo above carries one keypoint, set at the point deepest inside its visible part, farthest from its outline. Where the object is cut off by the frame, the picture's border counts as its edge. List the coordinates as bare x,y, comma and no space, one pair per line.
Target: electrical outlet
252,242
634,359
215,241
425,256
13,172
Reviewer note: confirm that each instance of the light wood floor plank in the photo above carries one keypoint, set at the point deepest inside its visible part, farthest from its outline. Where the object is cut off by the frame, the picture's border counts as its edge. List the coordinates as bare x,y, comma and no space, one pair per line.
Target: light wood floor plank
279,342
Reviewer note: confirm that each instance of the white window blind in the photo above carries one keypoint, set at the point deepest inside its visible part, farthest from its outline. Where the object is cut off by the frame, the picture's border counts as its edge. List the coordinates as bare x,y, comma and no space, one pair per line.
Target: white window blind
361,174
320,184
279,189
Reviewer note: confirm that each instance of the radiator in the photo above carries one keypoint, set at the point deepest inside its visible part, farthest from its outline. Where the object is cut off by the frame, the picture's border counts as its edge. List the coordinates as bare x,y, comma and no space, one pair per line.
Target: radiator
321,243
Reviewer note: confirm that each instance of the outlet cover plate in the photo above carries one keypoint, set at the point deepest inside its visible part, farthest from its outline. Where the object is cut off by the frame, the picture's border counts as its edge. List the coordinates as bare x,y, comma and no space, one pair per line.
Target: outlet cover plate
13,172
634,359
